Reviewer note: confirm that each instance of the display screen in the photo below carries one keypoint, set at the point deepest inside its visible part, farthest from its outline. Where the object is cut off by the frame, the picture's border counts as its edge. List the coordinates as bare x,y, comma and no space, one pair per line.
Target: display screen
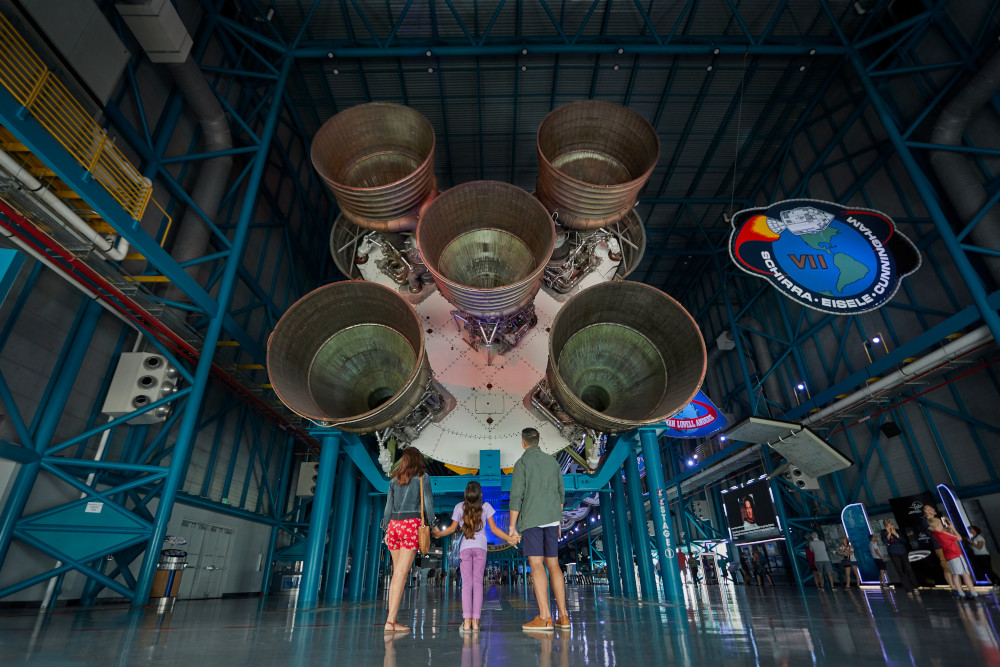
750,512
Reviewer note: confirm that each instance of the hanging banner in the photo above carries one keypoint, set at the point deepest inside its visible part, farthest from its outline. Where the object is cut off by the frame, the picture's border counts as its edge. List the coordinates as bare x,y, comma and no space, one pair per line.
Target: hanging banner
837,259
698,419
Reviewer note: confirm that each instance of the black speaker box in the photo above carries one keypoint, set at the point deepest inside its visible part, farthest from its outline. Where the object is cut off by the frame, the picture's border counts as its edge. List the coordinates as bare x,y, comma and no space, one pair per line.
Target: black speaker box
889,429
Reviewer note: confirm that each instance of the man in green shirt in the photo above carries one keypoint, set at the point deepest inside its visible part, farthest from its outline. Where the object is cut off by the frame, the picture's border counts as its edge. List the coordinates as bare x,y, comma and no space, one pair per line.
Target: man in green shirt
536,502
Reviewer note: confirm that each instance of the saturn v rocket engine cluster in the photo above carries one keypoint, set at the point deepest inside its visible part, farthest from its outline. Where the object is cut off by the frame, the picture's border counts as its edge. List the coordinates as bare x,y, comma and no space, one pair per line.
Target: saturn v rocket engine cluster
476,312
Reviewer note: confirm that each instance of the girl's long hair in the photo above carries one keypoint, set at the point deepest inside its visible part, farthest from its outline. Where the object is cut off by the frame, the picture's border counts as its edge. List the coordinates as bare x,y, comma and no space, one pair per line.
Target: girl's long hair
472,510
411,464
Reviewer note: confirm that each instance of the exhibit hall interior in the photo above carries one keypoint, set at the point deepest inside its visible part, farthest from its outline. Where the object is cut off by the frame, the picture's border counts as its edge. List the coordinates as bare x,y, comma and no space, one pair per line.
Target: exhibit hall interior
499,332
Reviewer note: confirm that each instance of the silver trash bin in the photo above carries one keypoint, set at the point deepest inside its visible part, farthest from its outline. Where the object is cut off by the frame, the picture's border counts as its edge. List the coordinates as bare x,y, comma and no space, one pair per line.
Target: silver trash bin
167,580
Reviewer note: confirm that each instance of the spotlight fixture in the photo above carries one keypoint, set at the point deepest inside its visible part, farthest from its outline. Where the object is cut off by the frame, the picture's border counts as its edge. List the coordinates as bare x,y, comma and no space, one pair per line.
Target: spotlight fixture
722,438
801,387
872,344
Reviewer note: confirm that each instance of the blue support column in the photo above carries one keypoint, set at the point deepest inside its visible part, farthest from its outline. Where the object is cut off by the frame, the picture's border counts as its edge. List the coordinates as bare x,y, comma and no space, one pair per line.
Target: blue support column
624,540
373,560
362,529
278,510
610,545
227,285
49,418
640,536
660,509
340,534
319,521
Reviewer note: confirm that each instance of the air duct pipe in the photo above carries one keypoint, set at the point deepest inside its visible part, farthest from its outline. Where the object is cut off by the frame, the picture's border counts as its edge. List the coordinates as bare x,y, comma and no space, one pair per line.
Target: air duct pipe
64,213
624,355
772,386
193,235
962,181
594,158
954,349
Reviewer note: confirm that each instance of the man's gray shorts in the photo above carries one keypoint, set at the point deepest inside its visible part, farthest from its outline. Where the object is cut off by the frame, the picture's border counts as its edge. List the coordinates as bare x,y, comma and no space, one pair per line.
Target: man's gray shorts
824,567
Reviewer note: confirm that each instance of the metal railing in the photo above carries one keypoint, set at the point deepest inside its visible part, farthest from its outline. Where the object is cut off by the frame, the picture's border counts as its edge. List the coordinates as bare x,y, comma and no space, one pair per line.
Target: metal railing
26,77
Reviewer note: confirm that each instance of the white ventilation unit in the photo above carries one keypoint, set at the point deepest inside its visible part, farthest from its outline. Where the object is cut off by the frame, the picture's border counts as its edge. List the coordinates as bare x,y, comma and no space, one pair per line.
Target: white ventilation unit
699,508
798,478
308,474
140,379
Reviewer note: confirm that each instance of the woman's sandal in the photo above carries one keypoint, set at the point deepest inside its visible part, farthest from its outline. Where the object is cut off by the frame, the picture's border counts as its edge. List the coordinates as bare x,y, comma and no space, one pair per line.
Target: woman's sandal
396,627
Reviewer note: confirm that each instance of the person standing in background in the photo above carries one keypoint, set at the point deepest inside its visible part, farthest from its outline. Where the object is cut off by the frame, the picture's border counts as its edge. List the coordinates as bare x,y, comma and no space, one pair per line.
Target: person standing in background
981,559
930,514
899,553
850,562
876,549
950,541
822,559
761,570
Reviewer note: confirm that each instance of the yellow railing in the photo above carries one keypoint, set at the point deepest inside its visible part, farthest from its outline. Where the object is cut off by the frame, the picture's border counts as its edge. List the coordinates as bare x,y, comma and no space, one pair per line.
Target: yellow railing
26,77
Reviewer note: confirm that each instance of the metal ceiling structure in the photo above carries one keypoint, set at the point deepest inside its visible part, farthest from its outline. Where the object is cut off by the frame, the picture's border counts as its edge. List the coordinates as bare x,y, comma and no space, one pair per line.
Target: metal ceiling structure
753,101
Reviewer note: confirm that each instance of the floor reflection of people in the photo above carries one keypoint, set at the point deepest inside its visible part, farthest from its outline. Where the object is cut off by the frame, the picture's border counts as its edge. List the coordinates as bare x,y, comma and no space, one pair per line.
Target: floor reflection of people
390,651
472,655
545,640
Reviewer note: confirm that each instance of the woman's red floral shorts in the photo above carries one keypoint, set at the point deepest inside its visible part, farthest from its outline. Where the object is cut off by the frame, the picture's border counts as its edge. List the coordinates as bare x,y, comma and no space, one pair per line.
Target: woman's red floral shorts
402,534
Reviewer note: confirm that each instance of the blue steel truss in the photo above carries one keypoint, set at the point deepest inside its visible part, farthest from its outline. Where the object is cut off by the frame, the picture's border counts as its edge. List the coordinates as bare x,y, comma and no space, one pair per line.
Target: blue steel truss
272,74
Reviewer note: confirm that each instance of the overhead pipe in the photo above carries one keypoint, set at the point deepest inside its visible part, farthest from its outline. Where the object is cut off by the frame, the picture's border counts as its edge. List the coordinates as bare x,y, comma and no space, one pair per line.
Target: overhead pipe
930,362
63,213
193,235
26,236
962,181
772,386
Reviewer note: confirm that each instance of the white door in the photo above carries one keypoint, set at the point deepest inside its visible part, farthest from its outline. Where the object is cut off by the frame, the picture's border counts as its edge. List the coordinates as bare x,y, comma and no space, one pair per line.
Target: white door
208,553
195,533
216,557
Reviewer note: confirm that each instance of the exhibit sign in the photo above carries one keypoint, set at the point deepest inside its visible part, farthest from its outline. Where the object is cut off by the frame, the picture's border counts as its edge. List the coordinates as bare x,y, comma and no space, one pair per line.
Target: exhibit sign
750,512
837,259
697,419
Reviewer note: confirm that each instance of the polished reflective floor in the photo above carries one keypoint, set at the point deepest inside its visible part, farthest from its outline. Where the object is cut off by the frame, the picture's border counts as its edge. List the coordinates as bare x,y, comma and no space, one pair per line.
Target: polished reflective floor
717,626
